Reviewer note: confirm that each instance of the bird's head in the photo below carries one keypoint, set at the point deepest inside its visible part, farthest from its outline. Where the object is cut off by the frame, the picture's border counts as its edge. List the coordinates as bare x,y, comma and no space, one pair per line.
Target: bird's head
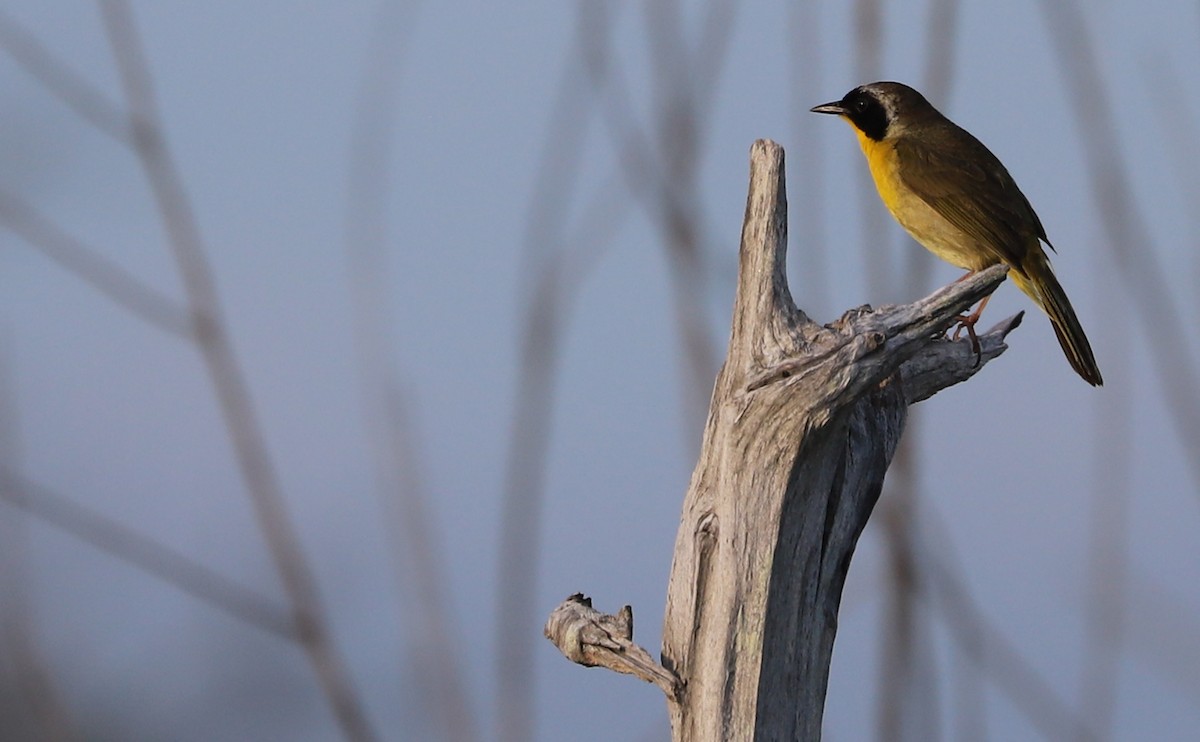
880,110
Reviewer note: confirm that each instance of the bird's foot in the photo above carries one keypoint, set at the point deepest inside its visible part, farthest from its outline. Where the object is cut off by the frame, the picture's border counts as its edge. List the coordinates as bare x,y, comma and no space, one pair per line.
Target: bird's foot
967,322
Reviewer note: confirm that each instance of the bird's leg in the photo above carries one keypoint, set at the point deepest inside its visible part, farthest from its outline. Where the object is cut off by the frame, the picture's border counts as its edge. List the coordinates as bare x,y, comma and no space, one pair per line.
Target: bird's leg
968,322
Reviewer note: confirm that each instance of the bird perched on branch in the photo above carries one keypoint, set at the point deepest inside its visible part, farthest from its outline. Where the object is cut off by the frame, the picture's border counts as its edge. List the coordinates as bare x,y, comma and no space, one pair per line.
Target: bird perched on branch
956,199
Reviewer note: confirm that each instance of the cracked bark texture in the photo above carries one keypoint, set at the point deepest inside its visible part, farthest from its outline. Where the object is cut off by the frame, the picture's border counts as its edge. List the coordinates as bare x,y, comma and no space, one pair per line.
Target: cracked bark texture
803,422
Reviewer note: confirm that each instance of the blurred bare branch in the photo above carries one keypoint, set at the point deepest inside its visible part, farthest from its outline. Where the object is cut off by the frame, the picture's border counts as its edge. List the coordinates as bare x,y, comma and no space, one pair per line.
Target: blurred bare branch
691,71
986,646
1166,631
1128,238
868,55
1108,556
1179,129
391,430
868,34
1109,523
71,88
1131,244
908,707
661,170
941,37
807,208
677,215
39,709
940,63
552,275
89,265
968,705
678,118
557,277
214,343
35,709
150,556
903,713
552,265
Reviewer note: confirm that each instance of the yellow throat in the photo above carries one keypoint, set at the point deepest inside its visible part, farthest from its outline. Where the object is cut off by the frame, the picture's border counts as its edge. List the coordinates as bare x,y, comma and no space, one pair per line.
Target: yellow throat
881,158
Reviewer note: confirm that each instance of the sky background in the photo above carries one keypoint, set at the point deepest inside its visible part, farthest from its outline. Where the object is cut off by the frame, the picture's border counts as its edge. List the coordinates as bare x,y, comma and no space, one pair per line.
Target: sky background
1020,472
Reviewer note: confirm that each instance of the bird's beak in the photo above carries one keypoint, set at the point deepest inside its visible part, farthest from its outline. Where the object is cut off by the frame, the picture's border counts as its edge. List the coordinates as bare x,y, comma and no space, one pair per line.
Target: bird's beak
835,107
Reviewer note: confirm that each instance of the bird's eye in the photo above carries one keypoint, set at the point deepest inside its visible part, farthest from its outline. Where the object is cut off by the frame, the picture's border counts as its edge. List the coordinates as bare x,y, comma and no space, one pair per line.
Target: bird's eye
860,105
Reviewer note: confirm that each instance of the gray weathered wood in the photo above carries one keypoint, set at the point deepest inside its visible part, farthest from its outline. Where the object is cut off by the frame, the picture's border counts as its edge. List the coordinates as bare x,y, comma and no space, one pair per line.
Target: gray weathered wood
594,639
802,425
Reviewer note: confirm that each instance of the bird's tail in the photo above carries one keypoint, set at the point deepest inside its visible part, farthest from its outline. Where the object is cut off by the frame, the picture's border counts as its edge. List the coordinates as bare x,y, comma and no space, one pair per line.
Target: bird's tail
1036,278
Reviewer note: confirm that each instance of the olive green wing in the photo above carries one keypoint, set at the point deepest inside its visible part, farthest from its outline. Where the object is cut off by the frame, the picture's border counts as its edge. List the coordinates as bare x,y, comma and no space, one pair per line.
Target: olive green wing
966,184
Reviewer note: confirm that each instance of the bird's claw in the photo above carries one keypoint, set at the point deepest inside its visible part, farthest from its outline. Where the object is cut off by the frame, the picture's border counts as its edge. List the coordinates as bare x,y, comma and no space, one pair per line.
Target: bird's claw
968,323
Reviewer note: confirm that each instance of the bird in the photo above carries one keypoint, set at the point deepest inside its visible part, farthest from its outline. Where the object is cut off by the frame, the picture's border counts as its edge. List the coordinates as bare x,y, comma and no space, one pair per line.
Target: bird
959,202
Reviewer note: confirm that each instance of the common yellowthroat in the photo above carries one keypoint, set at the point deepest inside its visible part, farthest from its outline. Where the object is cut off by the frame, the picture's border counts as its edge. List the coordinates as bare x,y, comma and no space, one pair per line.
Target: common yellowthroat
956,199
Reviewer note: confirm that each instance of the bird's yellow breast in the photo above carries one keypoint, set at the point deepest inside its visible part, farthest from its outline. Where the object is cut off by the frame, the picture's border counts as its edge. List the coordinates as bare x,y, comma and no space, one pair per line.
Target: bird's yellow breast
933,231
884,164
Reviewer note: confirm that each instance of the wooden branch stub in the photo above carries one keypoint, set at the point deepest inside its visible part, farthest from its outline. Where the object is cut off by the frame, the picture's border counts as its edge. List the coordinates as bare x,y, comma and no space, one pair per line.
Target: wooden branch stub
946,362
593,639
880,340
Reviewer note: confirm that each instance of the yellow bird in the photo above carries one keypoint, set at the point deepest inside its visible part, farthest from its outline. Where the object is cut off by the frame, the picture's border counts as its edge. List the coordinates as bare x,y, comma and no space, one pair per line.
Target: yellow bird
956,199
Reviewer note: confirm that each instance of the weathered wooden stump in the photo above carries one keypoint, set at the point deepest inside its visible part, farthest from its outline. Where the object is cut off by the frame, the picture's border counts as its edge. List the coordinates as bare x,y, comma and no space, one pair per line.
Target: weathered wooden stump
803,423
